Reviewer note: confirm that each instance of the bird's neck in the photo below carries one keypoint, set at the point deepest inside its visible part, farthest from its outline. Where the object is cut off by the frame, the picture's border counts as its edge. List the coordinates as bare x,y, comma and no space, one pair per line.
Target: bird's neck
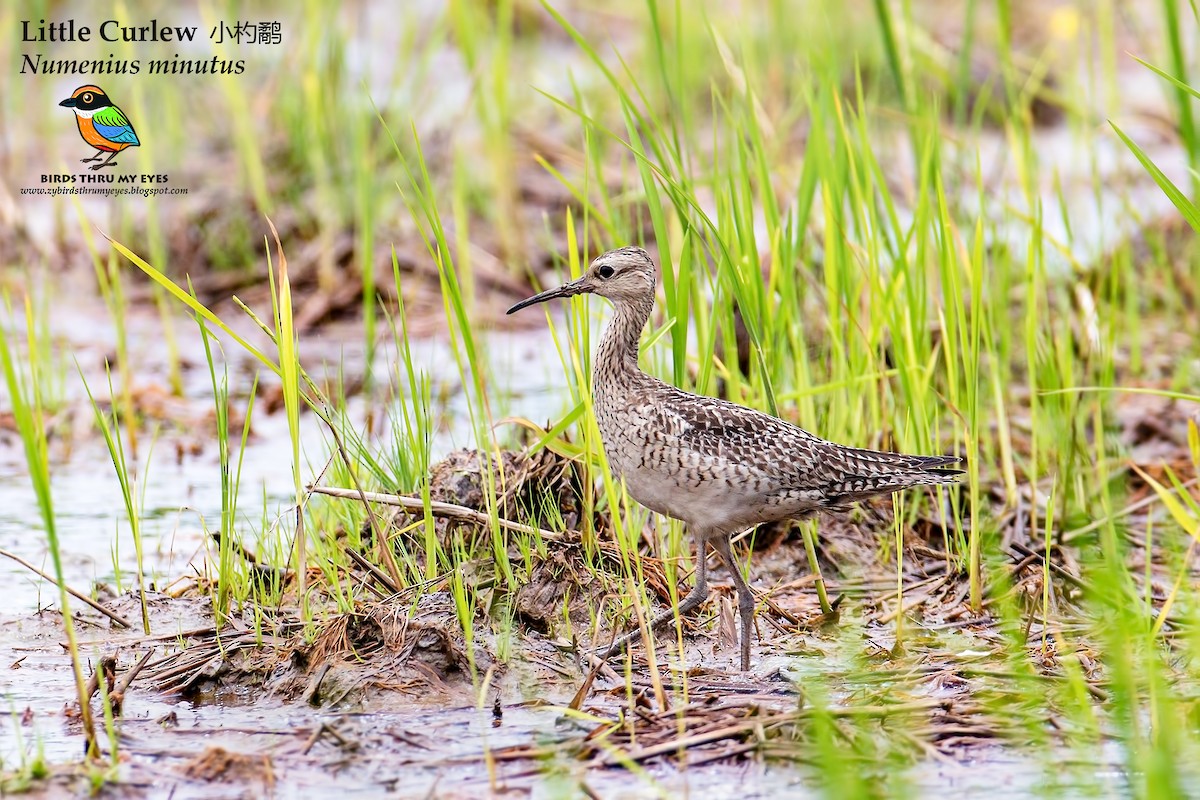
618,350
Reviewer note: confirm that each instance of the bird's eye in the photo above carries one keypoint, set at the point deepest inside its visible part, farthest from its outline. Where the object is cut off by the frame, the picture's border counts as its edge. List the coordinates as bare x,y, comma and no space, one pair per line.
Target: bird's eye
605,272
87,97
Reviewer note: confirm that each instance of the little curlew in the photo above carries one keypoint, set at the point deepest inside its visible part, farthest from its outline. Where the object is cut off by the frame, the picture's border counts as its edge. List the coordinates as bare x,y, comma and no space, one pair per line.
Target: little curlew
718,467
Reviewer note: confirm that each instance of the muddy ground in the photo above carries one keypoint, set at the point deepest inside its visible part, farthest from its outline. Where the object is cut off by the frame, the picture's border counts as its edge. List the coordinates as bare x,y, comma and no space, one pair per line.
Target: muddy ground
393,698
384,700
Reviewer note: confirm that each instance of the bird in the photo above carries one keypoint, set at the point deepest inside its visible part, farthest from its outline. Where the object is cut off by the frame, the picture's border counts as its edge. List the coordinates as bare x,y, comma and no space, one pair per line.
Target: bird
717,466
101,124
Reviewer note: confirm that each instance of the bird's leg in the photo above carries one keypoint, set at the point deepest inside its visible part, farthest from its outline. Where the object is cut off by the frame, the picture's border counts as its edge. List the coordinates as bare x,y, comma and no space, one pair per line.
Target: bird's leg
109,163
96,157
745,596
694,598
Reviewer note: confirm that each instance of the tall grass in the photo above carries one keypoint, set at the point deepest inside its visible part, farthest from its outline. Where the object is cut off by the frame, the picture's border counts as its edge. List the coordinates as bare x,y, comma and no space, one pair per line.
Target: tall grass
289,375
880,310
111,429
905,325
833,251
227,563
27,409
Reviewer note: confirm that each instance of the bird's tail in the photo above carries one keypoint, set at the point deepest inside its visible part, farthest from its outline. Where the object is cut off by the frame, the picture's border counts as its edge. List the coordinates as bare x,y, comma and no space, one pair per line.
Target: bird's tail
867,473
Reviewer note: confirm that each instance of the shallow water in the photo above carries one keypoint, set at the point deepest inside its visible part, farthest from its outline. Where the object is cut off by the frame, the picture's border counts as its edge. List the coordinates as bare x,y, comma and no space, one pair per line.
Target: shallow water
179,496
413,745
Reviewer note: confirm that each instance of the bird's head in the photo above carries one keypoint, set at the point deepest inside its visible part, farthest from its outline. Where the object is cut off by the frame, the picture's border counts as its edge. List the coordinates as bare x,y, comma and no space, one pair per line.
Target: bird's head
625,275
87,99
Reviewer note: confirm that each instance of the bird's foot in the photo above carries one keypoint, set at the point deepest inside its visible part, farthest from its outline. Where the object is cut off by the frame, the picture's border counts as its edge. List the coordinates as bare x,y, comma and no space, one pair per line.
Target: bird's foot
95,167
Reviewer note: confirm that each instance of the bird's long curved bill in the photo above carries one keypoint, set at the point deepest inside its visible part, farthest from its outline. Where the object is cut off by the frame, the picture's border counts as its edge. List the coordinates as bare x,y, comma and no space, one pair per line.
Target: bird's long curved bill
566,290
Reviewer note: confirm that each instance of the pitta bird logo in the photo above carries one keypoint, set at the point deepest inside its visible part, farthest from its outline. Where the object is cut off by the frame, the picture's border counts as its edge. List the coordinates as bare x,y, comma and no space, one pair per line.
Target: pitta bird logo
101,124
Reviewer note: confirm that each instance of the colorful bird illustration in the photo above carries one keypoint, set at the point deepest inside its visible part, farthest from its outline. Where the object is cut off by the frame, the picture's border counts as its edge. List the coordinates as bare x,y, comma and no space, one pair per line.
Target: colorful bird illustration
101,124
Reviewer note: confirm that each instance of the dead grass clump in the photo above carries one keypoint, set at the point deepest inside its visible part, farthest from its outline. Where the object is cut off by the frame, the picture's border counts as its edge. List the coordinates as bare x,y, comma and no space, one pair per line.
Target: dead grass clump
383,643
542,490
528,487
430,634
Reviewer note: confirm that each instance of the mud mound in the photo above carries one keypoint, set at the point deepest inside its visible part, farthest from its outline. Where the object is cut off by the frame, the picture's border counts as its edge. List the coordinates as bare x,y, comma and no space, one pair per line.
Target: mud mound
380,644
528,487
565,577
560,579
218,764
392,634
542,490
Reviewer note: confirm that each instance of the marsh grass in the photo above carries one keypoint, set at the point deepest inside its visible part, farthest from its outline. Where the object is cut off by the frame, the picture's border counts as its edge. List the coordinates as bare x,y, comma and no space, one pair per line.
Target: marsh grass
228,566
31,766
896,330
27,410
111,426
836,249
902,335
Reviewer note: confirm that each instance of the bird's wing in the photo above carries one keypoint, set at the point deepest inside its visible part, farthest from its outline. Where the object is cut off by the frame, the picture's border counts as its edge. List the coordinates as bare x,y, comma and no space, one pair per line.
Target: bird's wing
113,125
730,438
724,436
